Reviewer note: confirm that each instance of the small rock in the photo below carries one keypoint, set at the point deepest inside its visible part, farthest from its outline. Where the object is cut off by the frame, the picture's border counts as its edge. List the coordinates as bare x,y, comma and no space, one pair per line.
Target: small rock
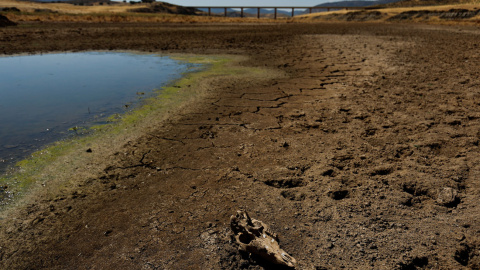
447,197
382,170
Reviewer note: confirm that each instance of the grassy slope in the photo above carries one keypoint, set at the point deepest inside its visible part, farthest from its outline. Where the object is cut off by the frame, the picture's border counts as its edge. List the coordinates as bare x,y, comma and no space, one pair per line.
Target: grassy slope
61,12
67,8
389,11
417,3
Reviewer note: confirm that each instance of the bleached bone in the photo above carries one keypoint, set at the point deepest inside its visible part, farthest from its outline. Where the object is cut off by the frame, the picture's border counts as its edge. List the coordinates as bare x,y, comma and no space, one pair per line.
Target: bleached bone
254,237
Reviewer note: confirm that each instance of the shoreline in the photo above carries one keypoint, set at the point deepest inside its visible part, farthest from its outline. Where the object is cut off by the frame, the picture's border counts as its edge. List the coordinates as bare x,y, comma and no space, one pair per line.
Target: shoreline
71,129
23,173
32,174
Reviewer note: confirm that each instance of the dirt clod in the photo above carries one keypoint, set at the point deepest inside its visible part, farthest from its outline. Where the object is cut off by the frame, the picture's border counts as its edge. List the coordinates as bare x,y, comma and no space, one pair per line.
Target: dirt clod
4,22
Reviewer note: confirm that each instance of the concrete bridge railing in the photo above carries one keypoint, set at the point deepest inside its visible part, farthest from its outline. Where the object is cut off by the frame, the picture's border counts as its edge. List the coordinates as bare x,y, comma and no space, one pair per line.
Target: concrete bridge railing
242,14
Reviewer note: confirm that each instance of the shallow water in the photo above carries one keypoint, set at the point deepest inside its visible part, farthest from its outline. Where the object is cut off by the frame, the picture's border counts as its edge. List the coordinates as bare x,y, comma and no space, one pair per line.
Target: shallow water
44,98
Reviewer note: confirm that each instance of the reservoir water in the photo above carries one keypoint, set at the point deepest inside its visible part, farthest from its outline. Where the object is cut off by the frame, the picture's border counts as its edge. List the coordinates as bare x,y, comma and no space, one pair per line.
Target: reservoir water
44,98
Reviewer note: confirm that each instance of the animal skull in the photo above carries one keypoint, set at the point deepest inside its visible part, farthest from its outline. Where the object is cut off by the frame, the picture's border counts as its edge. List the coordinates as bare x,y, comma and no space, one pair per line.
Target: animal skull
254,237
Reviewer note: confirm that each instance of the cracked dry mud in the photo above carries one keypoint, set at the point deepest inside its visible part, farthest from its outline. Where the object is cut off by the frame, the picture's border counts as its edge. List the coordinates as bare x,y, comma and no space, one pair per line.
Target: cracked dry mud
363,156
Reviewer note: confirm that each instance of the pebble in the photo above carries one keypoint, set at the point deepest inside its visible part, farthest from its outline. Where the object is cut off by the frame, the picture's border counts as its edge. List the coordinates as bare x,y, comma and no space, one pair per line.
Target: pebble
447,196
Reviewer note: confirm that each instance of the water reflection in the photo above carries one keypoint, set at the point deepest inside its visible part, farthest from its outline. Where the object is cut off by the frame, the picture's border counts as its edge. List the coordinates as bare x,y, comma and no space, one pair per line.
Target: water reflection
43,96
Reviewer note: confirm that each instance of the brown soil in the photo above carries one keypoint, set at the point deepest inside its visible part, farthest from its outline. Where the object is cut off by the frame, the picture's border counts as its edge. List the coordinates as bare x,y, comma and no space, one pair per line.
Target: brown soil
364,156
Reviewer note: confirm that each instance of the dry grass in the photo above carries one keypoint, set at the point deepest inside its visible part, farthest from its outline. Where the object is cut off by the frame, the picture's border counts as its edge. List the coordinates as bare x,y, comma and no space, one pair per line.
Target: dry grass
60,12
395,11
68,8
390,12
414,3
119,12
130,17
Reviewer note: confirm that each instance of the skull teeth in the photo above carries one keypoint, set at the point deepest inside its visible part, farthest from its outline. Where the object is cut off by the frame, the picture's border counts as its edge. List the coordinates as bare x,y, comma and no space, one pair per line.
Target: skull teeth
286,257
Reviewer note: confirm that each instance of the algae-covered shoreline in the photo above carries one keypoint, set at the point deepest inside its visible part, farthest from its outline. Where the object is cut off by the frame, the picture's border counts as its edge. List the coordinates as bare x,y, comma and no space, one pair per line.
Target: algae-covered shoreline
54,96
21,176
49,168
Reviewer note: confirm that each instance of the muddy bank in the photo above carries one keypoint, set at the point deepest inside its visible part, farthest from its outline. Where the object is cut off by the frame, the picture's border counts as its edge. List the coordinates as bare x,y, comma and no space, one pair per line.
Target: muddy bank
364,154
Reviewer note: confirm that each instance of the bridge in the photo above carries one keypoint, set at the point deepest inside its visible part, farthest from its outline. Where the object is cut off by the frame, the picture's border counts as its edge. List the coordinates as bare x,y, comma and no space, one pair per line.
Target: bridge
242,8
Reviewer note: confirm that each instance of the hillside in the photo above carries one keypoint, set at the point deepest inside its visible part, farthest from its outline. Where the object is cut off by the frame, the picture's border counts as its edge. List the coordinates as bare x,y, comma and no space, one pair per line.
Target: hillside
96,6
356,3
163,7
417,3
76,2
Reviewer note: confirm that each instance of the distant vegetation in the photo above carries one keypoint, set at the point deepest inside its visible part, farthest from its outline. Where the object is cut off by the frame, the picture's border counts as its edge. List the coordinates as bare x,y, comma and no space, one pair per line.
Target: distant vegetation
357,3
165,8
417,3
